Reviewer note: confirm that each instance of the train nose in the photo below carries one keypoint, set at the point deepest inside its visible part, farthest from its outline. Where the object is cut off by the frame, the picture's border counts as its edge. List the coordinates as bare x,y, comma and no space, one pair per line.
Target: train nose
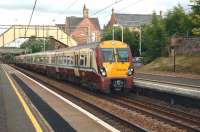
117,69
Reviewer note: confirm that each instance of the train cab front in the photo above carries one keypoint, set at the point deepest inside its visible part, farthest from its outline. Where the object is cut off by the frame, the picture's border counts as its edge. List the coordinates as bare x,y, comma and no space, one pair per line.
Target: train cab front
116,68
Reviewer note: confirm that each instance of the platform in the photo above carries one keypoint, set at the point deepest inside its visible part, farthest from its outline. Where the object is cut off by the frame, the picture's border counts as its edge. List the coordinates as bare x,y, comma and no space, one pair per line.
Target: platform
60,113
174,85
13,116
171,79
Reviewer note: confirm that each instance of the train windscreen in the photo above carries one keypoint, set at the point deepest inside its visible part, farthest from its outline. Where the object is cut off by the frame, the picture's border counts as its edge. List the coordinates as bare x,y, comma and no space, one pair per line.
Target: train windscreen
122,54
108,54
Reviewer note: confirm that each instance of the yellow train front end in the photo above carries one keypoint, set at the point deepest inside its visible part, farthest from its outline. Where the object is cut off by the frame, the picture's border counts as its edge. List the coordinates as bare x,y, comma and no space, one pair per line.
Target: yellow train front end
115,66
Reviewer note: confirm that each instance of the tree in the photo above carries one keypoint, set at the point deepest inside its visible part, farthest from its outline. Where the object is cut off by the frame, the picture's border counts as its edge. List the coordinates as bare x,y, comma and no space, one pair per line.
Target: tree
154,39
35,45
131,38
177,22
195,4
155,36
195,15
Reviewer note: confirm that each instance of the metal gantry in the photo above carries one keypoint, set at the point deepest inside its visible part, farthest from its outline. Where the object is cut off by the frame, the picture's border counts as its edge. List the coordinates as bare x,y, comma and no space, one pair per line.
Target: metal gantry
14,32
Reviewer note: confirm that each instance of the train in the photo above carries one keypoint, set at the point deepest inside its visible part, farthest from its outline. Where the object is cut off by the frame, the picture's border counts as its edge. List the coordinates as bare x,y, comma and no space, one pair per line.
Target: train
104,66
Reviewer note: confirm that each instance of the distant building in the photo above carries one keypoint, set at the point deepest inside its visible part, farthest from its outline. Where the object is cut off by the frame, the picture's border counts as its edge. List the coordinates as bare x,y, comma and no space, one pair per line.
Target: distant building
133,21
55,44
82,29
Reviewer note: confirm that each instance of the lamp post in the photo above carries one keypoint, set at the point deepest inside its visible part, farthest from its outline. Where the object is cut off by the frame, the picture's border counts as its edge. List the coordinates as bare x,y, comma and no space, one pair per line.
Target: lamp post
140,33
14,26
140,41
122,29
44,44
113,33
173,53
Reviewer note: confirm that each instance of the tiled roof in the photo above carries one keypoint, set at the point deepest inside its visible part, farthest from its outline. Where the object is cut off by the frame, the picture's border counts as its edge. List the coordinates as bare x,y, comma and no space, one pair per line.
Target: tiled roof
72,22
133,19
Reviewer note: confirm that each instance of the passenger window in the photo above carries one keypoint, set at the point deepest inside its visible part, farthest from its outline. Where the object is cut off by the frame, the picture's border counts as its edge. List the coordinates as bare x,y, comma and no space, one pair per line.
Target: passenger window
56,60
60,60
44,59
65,60
86,61
71,58
68,60
47,60
53,60
90,59
76,60
82,60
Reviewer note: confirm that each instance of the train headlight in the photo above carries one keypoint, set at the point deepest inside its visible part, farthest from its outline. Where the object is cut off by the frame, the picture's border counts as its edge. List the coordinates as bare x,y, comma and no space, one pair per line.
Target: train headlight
103,71
130,71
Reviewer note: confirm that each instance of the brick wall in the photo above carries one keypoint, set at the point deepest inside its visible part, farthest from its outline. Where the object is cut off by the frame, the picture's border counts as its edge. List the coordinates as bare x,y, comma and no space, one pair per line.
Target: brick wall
186,46
86,31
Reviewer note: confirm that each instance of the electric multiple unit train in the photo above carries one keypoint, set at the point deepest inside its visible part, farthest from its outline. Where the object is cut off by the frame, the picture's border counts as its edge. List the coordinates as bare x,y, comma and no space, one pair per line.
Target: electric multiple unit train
106,66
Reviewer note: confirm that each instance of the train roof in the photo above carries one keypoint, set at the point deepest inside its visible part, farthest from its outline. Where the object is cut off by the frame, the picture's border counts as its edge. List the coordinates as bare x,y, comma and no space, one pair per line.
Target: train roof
81,46
90,45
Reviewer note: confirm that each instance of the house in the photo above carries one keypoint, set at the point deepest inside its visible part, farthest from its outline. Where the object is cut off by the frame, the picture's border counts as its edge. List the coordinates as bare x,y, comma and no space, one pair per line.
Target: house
83,29
133,21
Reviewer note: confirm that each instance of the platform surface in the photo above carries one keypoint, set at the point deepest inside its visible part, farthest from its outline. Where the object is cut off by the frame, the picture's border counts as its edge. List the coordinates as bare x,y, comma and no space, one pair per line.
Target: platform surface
68,117
180,80
13,117
174,85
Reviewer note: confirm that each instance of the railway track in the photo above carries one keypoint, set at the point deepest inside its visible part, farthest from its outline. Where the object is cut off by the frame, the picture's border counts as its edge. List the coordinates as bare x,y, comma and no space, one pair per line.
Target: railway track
169,115
193,119
124,108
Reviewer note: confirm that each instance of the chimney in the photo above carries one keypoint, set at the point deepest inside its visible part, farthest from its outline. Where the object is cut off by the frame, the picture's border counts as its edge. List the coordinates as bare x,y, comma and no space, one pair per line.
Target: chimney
113,11
85,12
160,13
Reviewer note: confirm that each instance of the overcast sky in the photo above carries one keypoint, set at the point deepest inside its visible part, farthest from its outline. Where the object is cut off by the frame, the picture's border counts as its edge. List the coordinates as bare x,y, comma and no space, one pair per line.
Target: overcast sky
18,11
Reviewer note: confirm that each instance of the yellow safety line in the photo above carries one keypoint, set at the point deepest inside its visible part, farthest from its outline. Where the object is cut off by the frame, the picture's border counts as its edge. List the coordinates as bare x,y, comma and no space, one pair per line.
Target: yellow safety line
26,108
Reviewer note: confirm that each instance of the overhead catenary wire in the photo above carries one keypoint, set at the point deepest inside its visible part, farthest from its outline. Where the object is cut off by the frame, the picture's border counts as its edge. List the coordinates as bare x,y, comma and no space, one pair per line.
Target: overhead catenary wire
31,17
108,6
67,8
132,4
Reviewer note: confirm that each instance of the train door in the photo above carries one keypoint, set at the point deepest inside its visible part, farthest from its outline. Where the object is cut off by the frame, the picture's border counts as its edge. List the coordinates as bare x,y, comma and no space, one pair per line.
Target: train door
76,69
